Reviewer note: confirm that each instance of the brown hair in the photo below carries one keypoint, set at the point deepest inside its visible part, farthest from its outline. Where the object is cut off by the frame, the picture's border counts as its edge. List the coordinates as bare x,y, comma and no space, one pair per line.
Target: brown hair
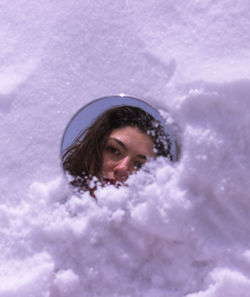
83,159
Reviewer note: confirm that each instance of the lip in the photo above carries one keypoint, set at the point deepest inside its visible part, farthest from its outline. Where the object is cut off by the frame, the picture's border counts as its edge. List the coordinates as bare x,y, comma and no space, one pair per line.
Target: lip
109,181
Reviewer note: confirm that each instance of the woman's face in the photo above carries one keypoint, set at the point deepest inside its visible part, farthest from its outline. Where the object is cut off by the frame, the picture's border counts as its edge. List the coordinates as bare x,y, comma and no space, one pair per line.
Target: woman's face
125,151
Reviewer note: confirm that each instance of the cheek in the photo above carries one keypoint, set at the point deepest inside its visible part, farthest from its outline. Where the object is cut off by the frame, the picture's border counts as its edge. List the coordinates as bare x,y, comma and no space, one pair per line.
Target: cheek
107,170
107,164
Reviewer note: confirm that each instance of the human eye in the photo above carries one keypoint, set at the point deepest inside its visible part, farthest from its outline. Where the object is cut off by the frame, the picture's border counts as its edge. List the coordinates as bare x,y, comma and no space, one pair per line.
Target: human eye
113,150
138,165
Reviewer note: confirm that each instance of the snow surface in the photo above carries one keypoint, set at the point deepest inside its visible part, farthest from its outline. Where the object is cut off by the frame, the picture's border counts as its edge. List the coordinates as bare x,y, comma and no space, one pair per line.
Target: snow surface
175,231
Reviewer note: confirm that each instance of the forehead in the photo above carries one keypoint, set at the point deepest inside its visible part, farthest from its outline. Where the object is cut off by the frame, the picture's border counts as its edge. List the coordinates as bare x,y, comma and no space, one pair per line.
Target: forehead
134,140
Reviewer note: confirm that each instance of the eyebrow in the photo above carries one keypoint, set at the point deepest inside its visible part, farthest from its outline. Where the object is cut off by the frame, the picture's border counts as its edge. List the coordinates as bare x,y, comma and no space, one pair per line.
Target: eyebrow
124,146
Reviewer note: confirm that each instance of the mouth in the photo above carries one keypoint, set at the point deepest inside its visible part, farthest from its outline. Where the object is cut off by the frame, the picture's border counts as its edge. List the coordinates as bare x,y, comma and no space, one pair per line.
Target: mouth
111,181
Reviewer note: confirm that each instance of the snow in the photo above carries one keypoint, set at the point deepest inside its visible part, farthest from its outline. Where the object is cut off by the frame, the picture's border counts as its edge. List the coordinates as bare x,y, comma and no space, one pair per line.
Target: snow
175,230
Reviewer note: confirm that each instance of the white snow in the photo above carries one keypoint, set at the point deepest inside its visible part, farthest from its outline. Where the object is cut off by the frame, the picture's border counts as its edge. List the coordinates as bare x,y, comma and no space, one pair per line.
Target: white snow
174,231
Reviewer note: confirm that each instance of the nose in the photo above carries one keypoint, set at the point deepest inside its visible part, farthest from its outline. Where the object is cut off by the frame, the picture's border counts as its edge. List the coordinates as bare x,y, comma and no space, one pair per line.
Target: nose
122,169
